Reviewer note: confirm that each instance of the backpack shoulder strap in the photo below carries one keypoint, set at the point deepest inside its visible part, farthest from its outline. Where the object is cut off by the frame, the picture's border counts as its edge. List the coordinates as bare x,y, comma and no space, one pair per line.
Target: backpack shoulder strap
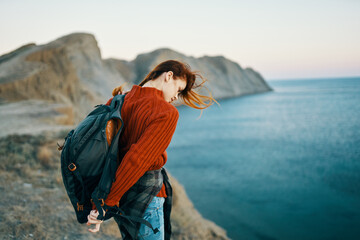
102,190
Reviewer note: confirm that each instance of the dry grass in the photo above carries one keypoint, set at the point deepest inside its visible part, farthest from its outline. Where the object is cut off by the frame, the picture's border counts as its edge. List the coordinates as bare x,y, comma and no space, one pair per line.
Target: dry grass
36,205
44,155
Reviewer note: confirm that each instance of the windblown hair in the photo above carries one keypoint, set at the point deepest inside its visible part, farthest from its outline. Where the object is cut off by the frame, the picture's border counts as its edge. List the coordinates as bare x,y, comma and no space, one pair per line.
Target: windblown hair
118,90
180,70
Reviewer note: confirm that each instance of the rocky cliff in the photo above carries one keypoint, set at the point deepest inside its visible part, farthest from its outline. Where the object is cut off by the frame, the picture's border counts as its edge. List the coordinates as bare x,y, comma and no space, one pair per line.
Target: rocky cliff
225,78
70,71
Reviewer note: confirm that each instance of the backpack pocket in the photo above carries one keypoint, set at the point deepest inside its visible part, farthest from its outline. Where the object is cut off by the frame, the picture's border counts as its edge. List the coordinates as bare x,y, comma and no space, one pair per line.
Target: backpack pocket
92,158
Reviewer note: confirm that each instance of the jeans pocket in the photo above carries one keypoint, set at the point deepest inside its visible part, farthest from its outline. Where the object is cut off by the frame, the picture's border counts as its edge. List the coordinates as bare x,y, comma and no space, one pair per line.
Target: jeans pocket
152,217
152,214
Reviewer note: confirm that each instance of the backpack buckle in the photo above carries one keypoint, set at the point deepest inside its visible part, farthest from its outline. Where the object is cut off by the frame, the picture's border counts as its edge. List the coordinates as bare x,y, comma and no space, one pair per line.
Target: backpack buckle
102,203
60,147
72,167
80,207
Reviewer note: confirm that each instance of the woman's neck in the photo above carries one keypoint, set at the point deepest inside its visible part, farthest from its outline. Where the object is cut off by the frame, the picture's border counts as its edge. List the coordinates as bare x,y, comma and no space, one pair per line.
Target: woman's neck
152,84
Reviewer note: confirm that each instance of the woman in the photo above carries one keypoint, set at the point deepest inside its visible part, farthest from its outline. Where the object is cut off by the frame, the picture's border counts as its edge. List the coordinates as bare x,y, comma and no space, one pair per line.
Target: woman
141,187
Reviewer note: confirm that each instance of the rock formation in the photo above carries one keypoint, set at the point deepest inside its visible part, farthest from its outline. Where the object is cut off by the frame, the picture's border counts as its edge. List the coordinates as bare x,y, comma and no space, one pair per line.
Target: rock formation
70,71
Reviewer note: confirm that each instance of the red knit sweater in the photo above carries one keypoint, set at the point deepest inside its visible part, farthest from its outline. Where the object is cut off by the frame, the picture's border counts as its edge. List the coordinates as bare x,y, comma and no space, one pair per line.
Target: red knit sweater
149,124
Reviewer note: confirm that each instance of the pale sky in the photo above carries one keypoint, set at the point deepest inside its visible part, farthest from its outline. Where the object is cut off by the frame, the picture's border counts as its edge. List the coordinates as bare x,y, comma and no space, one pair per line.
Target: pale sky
281,39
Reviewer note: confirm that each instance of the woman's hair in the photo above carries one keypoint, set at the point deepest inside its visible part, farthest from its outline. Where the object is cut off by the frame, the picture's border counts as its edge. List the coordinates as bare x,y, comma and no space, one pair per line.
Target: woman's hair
180,70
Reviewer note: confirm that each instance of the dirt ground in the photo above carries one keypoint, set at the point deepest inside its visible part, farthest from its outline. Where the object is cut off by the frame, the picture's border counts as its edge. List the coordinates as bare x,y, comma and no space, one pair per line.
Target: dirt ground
35,205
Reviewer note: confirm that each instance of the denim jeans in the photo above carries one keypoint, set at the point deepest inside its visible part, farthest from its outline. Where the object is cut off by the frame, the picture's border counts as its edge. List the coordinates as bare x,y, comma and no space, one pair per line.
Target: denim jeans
155,215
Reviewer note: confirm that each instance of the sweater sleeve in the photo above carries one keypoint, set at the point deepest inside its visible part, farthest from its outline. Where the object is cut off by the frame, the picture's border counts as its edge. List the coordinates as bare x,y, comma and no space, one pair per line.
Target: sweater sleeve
141,155
109,101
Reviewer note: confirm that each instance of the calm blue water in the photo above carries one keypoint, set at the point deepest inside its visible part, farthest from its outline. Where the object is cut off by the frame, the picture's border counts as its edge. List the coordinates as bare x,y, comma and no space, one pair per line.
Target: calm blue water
279,165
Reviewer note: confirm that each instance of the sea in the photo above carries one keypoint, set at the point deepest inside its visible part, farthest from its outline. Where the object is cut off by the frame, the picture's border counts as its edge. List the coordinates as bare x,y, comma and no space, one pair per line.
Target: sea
284,164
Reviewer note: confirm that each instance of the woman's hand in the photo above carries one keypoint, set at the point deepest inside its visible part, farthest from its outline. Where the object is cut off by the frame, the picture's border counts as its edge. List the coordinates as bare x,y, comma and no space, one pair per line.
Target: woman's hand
92,219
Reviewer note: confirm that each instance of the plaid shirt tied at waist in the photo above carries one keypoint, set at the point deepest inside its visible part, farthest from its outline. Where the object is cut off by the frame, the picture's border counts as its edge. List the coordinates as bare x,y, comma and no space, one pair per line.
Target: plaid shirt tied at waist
135,201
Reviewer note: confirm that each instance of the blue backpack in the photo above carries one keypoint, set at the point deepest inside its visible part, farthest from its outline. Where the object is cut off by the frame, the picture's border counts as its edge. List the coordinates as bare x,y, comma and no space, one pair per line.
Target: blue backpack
88,163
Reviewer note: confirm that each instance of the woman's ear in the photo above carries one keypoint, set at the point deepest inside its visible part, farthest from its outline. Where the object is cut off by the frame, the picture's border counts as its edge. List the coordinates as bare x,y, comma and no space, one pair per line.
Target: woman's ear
169,75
